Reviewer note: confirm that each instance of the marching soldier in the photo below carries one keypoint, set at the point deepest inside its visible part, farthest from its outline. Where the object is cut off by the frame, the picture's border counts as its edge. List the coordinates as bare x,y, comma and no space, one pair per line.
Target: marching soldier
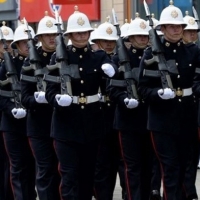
190,36
13,123
124,29
156,173
108,158
172,107
78,121
5,186
191,30
131,114
40,113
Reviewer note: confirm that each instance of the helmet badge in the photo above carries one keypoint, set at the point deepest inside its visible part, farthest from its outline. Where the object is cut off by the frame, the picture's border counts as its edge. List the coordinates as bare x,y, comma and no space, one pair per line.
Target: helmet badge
80,21
5,32
191,21
109,31
49,23
143,25
174,14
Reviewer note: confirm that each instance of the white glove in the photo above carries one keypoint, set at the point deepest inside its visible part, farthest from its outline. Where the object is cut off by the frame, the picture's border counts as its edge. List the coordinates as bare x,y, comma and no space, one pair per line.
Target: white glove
18,113
131,103
40,97
166,93
108,69
100,96
63,99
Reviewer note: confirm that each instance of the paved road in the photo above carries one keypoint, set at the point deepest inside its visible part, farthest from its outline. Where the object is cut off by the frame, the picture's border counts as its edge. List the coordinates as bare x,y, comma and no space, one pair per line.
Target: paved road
117,193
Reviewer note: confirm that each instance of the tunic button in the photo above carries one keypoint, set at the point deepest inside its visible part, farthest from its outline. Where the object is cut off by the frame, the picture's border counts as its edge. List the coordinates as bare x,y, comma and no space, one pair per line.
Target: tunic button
44,54
82,107
179,100
21,58
81,69
82,94
82,81
80,56
108,104
174,50
178,76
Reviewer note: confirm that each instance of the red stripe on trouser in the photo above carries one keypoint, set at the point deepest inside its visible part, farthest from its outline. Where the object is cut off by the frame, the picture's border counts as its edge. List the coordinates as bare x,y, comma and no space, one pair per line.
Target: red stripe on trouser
125,170
162,171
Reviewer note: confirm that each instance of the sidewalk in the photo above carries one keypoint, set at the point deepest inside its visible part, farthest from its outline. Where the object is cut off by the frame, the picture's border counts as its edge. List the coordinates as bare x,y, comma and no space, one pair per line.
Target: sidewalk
117,193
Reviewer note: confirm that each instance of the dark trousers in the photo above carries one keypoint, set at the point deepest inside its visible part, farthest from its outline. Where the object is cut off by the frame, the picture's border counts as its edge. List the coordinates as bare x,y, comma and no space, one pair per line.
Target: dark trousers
107,166
77,167
5,185
137,155
22,165
174,153
156,175
47,178
189,187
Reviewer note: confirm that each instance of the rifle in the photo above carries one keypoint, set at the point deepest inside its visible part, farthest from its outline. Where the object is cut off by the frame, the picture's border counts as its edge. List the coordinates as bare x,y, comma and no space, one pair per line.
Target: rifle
124,62
198,23
66,71
164,67
35,64
11,75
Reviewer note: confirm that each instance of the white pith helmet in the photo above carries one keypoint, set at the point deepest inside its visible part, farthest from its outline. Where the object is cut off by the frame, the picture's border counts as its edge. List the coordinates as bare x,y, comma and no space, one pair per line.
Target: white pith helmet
105,31
124,28
190,21
78,22
7,32
155,23
138,26
92,34
21,34
171,15
46,25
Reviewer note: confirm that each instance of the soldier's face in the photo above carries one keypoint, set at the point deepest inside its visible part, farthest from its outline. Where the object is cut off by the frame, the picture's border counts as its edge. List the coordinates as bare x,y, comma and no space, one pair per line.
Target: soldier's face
48,42
172,33
190,36
22,47
107,45
80,39
139,41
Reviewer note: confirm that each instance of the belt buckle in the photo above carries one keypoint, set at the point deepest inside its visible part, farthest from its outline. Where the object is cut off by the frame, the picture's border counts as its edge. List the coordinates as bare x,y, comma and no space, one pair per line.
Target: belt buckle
82,100
107,98
179,92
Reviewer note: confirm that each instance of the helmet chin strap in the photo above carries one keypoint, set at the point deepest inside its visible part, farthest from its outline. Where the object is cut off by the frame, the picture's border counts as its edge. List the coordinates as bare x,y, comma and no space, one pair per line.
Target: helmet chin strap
20,51
45,47
100,47
171,36
78,44
139,46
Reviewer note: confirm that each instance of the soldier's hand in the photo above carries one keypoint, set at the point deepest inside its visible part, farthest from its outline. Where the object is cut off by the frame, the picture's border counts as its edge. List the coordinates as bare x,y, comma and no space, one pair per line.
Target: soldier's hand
131,103
40,97
166,93
19,113
108,69
63,99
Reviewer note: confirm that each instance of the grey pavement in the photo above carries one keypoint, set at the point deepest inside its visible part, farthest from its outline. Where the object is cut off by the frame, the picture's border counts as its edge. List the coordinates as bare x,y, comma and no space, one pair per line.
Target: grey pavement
117,193
118,196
